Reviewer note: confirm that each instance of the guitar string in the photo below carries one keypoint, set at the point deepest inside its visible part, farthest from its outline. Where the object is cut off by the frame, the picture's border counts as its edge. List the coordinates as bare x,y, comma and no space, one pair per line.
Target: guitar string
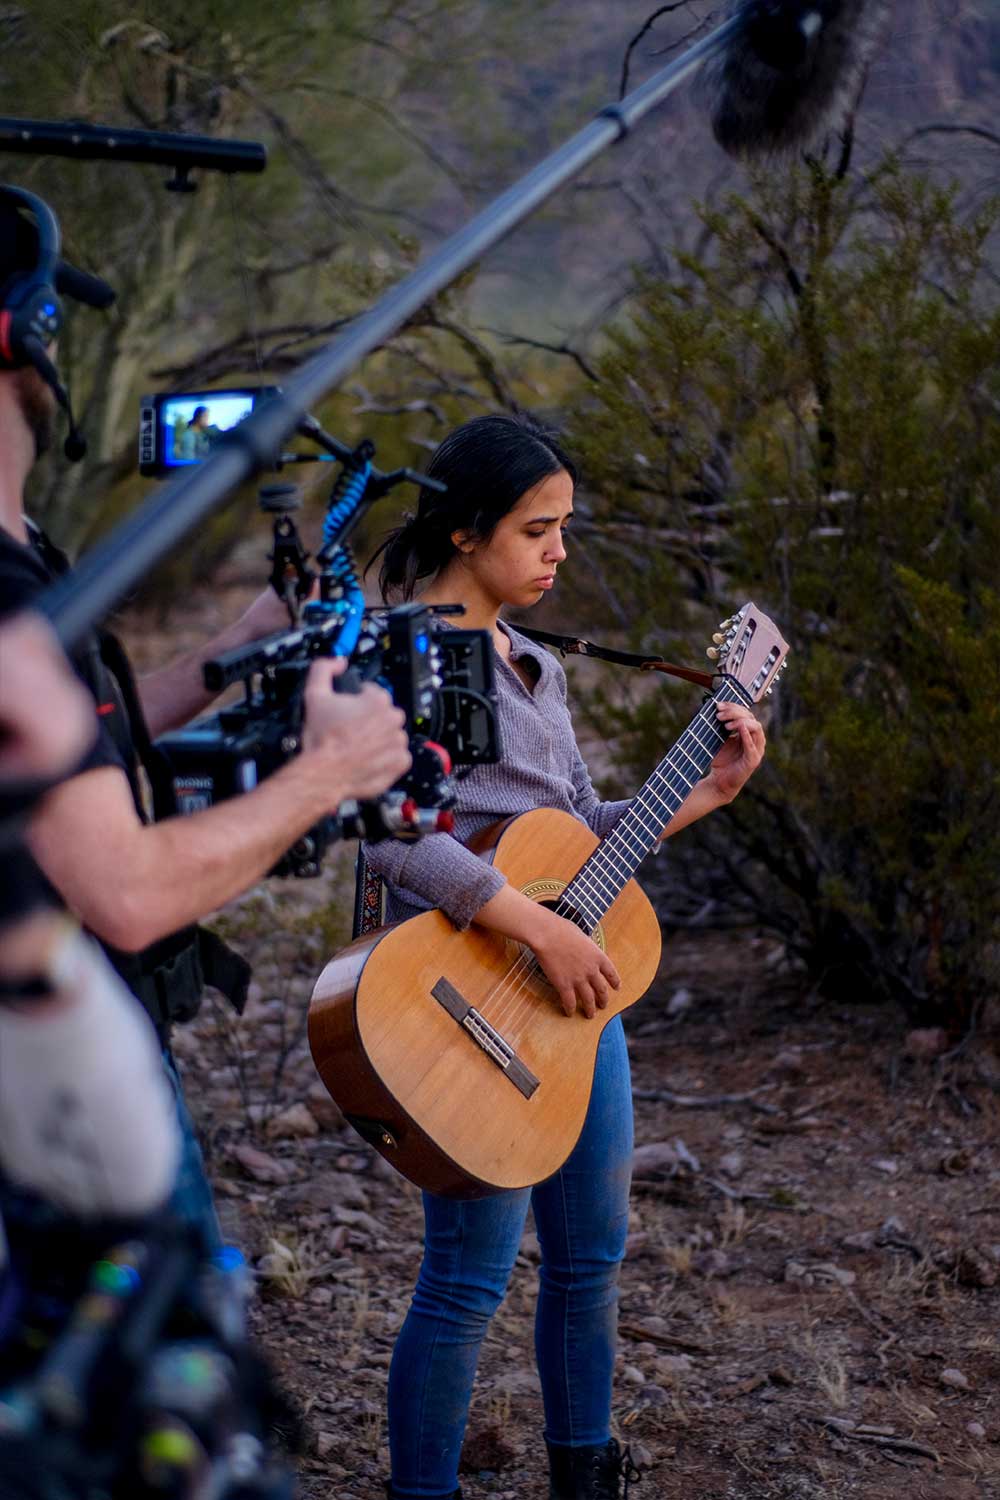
594,882
588,883
510,1014
516,1002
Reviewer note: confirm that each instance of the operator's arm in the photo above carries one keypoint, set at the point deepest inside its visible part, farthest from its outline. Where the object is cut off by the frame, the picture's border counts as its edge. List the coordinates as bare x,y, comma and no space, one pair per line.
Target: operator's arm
132,884
175,693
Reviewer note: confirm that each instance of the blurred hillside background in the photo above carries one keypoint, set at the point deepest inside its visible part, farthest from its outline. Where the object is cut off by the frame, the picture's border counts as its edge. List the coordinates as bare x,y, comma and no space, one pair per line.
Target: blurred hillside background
782,382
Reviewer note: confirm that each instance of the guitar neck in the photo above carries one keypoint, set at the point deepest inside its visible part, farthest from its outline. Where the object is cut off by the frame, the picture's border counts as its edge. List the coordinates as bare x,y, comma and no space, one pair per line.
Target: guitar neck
617,857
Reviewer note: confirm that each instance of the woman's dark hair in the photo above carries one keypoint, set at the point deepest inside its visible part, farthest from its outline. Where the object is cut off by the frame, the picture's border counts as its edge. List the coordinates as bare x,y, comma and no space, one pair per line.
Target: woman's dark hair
487,464
199,411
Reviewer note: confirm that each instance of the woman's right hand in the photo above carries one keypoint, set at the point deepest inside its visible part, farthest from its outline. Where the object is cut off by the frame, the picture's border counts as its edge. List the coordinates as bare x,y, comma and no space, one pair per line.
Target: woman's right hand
579,971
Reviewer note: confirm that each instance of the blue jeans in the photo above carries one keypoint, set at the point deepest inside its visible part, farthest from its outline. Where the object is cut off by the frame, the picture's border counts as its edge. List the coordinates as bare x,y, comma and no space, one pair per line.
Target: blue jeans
581,1215
191,1201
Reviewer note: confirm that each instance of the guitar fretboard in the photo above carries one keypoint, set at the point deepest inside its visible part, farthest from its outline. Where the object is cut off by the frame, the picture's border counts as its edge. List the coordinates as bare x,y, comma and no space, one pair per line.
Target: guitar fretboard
616,859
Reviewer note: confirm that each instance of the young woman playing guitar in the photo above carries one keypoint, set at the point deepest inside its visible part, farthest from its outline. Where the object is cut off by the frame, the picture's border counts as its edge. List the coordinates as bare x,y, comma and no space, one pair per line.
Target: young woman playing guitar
496,539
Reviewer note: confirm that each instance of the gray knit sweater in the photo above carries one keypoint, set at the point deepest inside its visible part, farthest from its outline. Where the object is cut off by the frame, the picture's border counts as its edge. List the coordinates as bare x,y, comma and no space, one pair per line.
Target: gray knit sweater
540,766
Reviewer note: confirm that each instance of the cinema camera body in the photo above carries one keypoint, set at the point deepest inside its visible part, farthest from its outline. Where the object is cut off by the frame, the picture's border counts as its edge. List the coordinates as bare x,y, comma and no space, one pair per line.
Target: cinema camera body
441,676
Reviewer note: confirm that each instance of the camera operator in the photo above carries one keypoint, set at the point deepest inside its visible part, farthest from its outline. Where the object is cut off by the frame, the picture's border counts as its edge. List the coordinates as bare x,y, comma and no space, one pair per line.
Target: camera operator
141,883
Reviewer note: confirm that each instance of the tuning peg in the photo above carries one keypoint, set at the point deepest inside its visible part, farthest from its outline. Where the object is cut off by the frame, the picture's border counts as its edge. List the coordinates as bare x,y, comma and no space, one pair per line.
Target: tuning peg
720,640
713,653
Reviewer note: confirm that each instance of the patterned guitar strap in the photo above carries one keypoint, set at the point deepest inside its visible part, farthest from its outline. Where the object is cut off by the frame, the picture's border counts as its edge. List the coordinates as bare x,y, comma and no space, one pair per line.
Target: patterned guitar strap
369,898
369,892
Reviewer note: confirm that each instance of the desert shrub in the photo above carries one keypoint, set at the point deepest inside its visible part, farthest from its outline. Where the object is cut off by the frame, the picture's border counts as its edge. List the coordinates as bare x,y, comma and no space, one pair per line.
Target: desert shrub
808,415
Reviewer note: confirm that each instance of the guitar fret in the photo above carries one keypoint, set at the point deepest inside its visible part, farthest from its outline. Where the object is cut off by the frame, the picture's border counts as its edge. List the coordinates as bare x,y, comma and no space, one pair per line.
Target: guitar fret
680,747
603,886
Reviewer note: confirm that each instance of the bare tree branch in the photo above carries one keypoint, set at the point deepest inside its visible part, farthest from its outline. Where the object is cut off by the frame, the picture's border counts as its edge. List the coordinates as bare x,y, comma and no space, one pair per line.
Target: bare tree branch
564,349
647,26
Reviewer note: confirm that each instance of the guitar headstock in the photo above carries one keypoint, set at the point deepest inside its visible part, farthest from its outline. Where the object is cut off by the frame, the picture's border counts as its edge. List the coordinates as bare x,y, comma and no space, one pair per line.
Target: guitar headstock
750,650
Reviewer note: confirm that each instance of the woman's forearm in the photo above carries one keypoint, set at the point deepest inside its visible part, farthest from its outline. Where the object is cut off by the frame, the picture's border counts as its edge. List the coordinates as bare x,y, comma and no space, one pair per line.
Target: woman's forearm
703,798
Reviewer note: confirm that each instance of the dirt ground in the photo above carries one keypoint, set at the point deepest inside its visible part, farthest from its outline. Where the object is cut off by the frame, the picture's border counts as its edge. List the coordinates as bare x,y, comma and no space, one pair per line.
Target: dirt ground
809,1302
808,1305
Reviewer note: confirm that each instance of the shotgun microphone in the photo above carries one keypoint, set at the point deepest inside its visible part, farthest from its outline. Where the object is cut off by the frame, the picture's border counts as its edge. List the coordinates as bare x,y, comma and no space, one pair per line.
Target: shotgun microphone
790,71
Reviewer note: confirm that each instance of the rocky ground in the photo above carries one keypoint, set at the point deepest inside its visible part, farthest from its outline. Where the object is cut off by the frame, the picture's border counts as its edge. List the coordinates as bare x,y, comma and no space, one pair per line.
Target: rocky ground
808,1308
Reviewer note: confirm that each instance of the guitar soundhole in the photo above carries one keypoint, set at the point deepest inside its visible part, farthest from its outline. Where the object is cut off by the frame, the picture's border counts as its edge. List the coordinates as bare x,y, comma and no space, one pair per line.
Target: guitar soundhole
571,914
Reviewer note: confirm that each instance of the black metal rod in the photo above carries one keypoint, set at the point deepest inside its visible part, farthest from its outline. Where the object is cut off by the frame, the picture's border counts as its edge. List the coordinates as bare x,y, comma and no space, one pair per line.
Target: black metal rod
112,569
83,142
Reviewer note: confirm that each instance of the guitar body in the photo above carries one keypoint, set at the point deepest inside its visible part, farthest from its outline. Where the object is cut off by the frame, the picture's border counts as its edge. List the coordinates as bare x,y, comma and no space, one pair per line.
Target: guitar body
449,1051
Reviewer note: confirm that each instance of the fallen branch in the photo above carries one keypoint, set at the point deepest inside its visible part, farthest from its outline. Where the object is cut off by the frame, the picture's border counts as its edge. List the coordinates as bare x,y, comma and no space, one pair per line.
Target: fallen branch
642,1335
696,1101
847,1429
743,1195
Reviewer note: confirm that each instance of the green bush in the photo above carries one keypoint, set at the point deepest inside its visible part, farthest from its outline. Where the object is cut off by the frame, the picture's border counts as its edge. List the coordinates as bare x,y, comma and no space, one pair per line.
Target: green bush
809,415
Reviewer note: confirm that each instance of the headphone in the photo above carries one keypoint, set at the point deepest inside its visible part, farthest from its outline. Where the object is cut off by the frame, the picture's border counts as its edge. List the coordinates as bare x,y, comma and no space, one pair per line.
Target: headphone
31,308
31,313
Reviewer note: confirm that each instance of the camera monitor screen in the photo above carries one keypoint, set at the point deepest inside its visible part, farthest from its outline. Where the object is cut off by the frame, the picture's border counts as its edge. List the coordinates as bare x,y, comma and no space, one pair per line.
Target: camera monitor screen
175,431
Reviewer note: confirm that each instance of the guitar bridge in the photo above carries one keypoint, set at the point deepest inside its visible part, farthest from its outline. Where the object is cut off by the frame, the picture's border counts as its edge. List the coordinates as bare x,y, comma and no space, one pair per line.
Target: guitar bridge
485,1036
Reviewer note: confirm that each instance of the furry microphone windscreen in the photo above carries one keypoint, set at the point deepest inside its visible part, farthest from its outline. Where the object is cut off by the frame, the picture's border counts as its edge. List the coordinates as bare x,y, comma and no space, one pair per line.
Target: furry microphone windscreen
791,71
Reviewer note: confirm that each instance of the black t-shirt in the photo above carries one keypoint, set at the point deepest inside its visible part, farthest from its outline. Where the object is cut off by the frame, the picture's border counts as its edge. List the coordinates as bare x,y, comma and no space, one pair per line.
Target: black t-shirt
24,574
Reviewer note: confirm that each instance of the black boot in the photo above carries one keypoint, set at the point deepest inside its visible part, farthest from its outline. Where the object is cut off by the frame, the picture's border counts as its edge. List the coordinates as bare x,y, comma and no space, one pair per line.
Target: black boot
590,1473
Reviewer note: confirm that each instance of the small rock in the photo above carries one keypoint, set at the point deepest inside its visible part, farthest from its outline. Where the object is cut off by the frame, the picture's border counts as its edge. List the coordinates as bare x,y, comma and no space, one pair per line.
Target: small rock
680,1001
356,1218
926,1043
886,1165
781,1377
325,1444
831,1272
955,1379
658,1159
969,1266
641,1455
893,1229
294,1123
654,1395
530,1248
732,1164
633,1375
788,1060
260,1166
327,1191
673,1367
976,1430
858,1244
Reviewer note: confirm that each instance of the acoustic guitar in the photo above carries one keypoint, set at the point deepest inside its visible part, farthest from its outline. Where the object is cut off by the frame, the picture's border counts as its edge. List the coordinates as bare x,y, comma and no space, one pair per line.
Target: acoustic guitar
448,1051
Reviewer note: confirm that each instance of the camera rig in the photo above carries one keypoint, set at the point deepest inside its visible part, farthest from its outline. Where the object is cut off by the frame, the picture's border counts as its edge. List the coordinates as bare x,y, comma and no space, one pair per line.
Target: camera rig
126,1372
440,676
